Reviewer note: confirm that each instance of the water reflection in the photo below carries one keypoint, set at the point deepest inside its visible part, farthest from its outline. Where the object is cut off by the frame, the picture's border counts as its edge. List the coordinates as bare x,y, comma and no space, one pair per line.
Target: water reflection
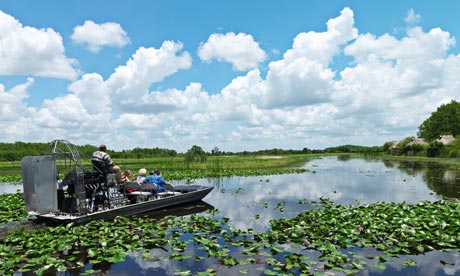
349,181
430,263
251,202
179,210
437,177
444,182
6,188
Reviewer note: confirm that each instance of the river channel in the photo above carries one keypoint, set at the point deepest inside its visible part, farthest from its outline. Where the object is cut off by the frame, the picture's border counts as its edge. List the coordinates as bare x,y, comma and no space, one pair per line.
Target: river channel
342,180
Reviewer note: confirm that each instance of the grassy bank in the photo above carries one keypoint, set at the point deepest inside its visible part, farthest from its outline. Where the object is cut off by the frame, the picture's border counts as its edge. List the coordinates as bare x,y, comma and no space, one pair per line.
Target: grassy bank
176,168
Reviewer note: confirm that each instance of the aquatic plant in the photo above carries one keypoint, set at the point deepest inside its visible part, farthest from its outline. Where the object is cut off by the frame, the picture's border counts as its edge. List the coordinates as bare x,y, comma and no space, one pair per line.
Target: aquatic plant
391,228
13,179
332,229
12,207
195,174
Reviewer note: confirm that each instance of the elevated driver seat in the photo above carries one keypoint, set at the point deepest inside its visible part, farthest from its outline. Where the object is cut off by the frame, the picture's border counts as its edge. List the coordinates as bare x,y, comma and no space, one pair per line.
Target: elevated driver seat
100,166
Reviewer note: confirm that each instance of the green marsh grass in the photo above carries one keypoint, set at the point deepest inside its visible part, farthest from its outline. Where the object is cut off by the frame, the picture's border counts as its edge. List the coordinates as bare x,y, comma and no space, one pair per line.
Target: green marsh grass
175,168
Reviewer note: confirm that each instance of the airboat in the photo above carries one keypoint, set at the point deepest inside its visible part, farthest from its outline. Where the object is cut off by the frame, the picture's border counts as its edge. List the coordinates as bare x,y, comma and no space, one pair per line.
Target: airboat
58,189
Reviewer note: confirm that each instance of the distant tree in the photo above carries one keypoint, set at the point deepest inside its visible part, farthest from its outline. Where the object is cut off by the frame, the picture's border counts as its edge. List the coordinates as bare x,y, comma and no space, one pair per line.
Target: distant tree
387,146
445,120
195,154
10,156
215,151
403,147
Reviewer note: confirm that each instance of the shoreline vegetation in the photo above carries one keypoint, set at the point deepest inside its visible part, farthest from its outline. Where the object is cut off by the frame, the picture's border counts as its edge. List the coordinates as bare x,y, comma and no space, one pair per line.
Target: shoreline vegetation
177,168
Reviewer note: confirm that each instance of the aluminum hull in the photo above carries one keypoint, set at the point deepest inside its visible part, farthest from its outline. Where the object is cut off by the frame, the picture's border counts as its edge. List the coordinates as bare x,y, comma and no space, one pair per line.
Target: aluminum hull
193,194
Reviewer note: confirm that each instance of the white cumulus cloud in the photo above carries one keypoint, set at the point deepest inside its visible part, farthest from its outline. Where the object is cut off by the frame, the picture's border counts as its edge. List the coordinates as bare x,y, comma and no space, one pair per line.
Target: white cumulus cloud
93,93
130,82
303,76
84,114
12,104
95,36
238,49
383,92
26,50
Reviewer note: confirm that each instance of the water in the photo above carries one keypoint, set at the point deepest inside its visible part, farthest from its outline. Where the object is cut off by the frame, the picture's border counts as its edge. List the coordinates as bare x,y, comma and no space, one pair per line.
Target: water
342,180
347,182
11,189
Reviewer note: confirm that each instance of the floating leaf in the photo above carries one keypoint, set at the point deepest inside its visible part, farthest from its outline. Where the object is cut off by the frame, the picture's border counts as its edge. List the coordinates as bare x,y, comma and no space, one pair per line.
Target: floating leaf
182,273
409,262
379,266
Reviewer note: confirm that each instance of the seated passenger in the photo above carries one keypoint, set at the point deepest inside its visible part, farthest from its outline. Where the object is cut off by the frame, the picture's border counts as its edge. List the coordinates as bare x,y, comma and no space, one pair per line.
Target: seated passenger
141,176
102,162
156,178
126,177
149,186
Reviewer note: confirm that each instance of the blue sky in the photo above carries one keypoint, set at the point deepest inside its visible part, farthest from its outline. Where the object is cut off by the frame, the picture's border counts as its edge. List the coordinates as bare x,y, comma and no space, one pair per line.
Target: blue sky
238,75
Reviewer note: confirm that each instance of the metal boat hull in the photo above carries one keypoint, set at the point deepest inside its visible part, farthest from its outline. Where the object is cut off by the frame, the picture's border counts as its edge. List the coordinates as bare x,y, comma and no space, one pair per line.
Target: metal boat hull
195,193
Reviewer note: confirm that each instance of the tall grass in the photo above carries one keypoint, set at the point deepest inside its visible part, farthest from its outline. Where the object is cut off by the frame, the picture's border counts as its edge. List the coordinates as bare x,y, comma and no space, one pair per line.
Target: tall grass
178,168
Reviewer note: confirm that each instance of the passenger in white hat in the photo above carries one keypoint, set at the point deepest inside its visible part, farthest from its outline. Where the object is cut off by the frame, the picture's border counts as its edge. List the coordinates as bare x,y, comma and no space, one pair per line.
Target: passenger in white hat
141,176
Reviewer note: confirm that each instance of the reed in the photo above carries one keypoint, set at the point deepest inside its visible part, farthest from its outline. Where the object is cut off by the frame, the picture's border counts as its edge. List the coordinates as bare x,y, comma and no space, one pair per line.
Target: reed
176,168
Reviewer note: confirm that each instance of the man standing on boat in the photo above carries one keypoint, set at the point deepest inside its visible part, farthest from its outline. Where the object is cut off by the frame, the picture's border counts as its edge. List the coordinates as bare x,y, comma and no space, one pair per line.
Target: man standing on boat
101,161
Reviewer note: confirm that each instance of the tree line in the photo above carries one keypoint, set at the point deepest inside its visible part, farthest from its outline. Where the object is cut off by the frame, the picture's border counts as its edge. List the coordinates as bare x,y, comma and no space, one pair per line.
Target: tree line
16,151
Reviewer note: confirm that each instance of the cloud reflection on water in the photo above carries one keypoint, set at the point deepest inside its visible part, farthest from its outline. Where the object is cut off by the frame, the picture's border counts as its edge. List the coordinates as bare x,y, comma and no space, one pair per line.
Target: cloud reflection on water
346,182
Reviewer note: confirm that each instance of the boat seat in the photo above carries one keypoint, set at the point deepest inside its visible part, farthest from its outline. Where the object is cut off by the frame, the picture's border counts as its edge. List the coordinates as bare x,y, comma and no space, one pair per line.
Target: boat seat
100,166
92,176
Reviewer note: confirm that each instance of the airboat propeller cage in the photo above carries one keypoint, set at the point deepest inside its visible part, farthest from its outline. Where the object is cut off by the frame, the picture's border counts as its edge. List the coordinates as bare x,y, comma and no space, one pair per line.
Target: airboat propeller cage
41,175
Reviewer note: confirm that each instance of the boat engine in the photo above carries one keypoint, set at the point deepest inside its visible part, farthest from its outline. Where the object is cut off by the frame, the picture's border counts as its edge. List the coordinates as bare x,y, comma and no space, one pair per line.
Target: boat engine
58,183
